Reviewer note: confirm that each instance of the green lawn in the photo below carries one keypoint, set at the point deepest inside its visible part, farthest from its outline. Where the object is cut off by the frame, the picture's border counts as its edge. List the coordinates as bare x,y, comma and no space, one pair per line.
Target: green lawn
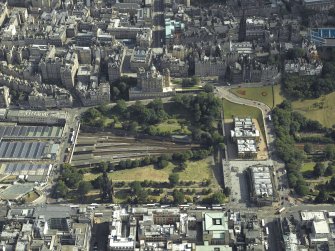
262,94
195,171
307,167
233,109
321,109
172,126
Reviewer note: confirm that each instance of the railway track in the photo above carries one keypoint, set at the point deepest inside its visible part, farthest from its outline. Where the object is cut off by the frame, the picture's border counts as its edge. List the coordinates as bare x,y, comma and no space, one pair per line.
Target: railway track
92,148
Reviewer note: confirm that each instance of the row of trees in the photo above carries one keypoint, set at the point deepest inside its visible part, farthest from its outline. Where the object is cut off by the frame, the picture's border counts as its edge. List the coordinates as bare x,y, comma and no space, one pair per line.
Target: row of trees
286,125
159,161
320,169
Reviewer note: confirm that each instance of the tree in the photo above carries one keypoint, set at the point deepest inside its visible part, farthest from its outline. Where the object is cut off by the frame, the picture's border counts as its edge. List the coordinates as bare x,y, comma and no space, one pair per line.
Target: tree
332,183
123,87
302,189
106,188
178,197
104,108
103,167
121,107
60,190
329,170
330,152
162,163
319,169
208,88
133,127
83,188
96,183
70,176
174,179
141,194
217,198
308,148
227,191
322,197
295,53
196,80
182,166
91,115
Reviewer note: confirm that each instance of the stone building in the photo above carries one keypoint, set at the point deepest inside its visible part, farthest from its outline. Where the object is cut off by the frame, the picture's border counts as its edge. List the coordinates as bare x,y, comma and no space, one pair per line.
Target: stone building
140,58
151,84
177,67
115,62
209,66
247,69
38,100
69,69
50,69
4,97
93,93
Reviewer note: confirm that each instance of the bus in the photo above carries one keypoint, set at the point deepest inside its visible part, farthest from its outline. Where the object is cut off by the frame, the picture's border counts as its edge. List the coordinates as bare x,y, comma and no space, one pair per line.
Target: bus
98,214
281,210
152,205
266,231
185,206
262,223
201,208
217,208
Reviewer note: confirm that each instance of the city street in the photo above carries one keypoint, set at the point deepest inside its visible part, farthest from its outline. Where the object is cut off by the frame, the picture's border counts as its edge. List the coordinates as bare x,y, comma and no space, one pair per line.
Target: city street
158,33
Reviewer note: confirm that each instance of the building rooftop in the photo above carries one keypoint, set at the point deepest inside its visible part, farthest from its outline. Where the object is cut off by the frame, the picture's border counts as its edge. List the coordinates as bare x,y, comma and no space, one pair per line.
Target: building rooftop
309,215
216,222
262,182
321,227
11,132
52,211
16,191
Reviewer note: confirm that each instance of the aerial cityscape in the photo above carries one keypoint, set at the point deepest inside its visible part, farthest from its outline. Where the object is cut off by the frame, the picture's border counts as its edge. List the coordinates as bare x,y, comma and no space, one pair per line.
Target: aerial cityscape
167,125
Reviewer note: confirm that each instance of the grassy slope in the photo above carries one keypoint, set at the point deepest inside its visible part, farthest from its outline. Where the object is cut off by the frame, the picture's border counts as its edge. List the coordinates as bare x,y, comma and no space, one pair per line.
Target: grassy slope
262,94
232,109
195,171
172,126
321,109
